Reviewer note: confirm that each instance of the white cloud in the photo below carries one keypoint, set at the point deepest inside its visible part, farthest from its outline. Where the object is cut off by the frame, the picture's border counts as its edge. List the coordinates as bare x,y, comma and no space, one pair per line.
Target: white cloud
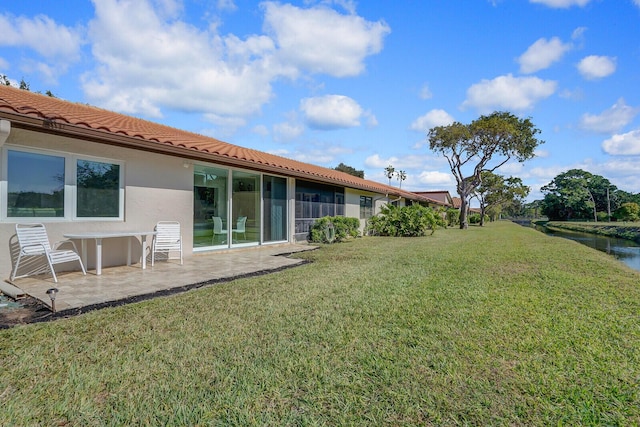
626,144
433,118
153,62
595,67
561,4
406,162
41,34
578,33
57,44
637,2
610,120
542,54
375,161
541,154
321,40
331,112
176,65
260,130
435,178
508,92
287,131
425,92
226,5
317,154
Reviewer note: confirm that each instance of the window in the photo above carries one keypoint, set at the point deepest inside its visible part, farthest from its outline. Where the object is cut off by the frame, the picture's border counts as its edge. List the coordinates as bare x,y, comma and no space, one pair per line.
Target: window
98,189
35,185
45,185
366,207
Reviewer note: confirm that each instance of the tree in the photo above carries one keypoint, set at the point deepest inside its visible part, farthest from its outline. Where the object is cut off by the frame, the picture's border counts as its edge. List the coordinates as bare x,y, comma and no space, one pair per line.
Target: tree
578,194
496,192
629,211
402,175
389,171
484,145
350,170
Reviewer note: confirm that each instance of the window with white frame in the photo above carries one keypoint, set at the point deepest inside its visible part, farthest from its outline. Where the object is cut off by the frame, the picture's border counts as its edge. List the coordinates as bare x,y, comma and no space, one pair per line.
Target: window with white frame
45,184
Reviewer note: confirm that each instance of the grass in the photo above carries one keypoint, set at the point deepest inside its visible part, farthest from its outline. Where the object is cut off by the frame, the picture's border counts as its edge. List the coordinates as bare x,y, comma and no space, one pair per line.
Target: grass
499,325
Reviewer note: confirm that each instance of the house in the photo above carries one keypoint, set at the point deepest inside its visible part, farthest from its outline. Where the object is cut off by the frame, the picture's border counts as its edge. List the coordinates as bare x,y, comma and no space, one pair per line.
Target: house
440,198
78,168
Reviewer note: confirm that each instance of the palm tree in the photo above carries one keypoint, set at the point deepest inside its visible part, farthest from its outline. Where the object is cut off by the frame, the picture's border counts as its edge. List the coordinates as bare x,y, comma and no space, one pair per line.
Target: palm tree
402,175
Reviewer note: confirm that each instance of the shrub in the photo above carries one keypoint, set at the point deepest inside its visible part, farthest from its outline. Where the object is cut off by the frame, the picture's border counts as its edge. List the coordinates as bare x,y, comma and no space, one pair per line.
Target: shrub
627,212
406,221
330,229
453,217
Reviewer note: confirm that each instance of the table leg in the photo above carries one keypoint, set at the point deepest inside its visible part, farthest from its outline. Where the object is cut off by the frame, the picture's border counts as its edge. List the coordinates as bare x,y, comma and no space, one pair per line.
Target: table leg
129,251
98,256
83,251
143,239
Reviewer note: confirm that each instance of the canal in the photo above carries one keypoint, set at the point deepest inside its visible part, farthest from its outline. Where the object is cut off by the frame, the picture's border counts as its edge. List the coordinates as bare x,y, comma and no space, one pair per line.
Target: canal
624,250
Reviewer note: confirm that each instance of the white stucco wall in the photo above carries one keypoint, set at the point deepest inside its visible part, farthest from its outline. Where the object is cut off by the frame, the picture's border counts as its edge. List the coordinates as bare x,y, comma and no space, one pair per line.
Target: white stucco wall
352,201
157,188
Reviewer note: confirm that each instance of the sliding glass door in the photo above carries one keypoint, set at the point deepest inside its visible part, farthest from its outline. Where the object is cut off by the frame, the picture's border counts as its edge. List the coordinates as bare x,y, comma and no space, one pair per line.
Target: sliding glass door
237,208
245,207
210,207
274,194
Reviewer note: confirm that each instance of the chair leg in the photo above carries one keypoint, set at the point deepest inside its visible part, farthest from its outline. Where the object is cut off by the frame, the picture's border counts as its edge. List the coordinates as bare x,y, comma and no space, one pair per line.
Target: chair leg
15,269
53,272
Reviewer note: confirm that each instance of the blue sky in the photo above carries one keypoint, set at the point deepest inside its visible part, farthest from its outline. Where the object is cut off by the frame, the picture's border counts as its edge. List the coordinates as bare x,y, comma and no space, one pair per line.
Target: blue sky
330,81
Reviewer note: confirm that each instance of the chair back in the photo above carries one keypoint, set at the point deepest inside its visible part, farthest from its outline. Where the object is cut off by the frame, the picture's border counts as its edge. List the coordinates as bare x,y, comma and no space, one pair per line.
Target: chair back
217,225
241,223
33,238
168,232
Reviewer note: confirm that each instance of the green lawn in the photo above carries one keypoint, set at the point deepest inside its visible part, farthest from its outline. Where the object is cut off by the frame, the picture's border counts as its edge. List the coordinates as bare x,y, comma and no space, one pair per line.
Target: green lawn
499,325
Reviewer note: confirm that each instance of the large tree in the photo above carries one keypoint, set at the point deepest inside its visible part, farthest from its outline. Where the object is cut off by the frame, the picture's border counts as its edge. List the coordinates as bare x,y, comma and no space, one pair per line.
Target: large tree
350,170
578,194
496,192
483,145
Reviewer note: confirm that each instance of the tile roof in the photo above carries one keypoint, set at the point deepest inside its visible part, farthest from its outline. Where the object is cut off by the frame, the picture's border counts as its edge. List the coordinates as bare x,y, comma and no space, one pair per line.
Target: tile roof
442,197
39,112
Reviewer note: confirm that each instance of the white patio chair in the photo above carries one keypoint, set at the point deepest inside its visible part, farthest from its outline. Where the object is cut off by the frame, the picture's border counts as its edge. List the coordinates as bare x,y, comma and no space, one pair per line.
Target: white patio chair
167,239
241,227
34,243
218,230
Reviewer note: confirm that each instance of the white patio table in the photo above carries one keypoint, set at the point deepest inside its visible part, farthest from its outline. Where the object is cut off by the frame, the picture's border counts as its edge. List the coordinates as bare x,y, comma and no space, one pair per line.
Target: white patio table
99,235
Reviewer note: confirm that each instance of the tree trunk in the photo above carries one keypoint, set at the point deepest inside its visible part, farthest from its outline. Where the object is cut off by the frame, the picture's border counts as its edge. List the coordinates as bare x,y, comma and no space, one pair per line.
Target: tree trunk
482,208
463,212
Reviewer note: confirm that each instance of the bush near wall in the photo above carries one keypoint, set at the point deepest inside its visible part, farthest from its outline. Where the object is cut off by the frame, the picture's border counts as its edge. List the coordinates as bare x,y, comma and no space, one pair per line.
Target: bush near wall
406,221
343,228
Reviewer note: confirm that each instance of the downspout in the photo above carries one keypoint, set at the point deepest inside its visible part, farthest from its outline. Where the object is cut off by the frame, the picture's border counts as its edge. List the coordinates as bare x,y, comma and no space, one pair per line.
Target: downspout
5,130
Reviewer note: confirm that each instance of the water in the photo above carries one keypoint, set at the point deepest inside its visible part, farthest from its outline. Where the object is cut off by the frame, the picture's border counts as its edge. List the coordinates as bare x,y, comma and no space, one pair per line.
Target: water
624,250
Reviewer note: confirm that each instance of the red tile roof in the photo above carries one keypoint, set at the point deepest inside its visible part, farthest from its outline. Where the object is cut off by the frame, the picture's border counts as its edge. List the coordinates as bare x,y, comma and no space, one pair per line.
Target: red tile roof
442,197
43,113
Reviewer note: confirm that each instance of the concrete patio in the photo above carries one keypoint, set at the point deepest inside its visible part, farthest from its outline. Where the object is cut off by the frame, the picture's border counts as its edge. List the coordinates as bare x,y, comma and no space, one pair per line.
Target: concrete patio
78,292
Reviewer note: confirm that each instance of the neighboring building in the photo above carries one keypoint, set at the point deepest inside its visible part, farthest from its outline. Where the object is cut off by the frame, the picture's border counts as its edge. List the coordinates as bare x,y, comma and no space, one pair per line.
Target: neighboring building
440,198
79,168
